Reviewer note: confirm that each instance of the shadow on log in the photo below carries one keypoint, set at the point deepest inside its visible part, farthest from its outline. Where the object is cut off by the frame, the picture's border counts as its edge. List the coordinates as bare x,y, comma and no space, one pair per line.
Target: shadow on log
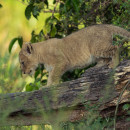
68,101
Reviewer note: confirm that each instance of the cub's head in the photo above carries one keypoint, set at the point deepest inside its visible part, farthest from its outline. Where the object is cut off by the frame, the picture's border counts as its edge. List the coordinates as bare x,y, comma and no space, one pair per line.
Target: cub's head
27,59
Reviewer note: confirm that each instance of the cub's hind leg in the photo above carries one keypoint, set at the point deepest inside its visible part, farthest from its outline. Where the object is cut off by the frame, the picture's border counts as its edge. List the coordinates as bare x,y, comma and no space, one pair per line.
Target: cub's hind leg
109,55
102,62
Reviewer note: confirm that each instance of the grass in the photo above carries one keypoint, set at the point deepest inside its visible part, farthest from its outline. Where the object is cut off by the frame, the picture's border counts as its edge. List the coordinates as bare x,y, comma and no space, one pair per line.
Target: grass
10,75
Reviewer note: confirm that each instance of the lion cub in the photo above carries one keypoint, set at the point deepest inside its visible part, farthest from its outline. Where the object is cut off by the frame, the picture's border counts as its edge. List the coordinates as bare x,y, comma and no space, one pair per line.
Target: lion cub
80,49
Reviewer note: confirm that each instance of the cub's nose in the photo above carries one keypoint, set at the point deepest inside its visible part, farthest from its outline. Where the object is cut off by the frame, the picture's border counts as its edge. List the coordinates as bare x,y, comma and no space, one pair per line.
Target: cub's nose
24,72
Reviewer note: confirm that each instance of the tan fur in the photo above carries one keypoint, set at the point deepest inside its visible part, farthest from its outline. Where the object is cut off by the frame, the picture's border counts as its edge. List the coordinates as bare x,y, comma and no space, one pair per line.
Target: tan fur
80,49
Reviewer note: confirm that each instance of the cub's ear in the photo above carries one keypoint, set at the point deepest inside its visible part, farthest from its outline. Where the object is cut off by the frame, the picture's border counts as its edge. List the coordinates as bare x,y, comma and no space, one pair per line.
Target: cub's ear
28,48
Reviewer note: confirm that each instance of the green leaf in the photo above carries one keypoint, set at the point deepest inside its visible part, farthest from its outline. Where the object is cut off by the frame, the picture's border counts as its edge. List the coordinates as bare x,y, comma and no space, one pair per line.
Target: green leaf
29,87
38,84
20,41
48,19
128,119
35,11
32,86
37,73
68,3
46,2
37,80
28,11
53,31
54,1
12,43
126,106
75,4
1,6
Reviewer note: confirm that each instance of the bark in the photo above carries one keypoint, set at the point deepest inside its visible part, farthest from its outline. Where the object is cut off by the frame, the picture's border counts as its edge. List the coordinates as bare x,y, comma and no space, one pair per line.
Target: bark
68,101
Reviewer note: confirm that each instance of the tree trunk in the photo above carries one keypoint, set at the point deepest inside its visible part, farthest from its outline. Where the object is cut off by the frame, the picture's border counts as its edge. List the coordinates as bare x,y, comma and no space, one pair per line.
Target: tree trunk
71,101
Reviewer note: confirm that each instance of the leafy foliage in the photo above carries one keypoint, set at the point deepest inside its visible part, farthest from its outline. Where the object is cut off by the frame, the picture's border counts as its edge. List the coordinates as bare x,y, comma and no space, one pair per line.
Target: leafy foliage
71,15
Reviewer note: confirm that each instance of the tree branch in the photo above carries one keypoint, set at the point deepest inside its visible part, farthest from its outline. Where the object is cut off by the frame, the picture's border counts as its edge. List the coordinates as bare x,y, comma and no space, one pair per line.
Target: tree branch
67,101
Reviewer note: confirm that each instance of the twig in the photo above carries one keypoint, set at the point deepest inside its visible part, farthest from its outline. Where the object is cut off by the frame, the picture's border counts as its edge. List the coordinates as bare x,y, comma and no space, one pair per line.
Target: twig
57,1
50,11
119,102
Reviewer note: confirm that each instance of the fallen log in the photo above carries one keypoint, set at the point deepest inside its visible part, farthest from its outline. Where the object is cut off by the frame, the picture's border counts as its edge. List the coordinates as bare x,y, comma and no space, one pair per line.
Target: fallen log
98,86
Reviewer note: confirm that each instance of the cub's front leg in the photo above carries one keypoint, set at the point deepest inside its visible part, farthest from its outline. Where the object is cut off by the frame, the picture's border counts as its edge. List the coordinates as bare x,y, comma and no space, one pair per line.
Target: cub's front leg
55,75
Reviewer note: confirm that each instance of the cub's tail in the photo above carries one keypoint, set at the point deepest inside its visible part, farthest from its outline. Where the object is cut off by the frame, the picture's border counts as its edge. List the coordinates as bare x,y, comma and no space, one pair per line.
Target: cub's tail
118,30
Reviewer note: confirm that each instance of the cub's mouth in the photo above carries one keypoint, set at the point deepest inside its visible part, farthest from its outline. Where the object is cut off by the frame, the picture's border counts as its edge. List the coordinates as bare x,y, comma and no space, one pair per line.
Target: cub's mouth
31,73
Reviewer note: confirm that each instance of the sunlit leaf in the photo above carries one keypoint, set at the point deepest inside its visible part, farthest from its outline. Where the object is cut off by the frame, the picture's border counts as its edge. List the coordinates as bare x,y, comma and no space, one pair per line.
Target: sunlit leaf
38,83
29,87
32,86
12,43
